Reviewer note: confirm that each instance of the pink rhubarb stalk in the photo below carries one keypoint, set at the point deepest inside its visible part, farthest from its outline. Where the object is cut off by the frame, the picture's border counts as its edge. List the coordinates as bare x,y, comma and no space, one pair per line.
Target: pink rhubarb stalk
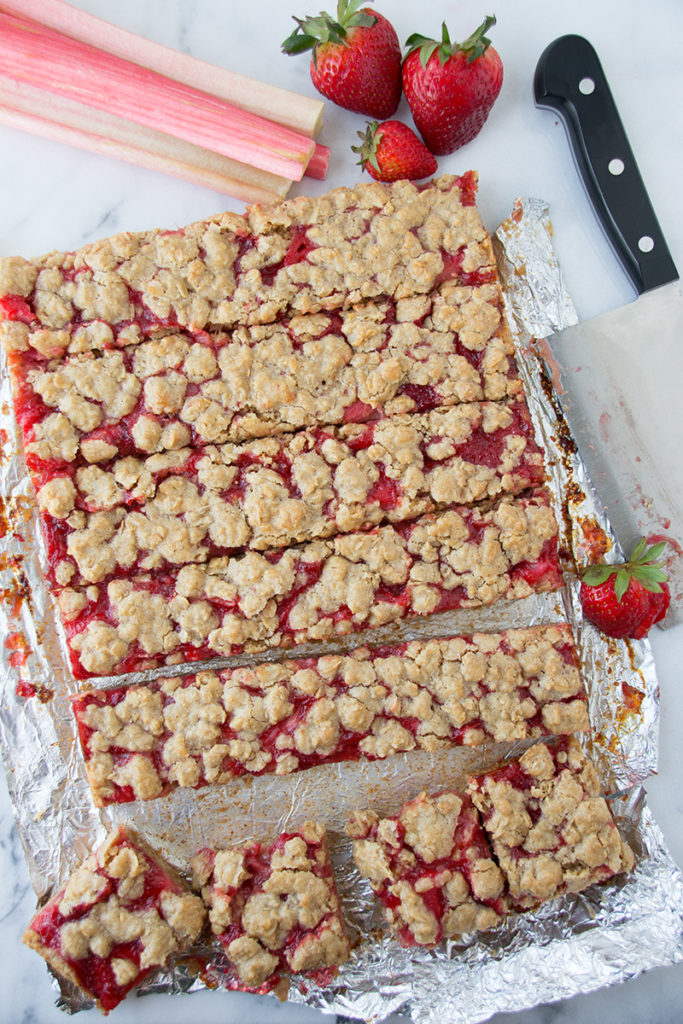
290,109
77,71
25,107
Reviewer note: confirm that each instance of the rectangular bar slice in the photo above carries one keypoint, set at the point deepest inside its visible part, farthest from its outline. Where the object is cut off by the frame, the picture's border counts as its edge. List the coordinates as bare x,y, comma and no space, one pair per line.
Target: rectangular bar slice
462,557
132,516
180,389
550,829
275,909
431,868
139,742
303,255
121,914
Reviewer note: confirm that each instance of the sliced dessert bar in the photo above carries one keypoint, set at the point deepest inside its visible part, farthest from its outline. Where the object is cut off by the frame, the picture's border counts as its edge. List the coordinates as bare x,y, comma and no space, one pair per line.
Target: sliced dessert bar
178,389
122,913
141,741
275,908
462,557
188,506
550,829
303,255
431,868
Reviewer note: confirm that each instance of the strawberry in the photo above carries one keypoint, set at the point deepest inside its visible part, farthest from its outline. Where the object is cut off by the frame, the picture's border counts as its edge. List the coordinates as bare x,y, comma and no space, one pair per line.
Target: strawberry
626,600
391,150
451,87
356,59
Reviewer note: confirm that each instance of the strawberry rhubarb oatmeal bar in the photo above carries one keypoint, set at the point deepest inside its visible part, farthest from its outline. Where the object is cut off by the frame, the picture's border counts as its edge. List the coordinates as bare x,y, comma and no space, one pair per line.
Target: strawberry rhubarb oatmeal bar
304,255
139,742
121,914
178,389
462,557
550,829
168,510
274,908
431,867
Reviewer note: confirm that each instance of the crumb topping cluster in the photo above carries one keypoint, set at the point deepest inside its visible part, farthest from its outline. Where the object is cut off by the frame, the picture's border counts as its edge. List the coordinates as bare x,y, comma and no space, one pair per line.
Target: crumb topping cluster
550,829
121,914
140,741
463,557
274,908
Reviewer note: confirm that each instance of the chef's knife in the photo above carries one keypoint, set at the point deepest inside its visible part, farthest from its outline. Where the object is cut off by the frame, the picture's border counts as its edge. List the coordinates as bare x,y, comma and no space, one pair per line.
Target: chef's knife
621,373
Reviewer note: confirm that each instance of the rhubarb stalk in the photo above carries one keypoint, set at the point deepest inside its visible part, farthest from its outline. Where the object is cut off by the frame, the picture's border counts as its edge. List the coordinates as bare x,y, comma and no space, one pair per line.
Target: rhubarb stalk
77,71
25,107
290,109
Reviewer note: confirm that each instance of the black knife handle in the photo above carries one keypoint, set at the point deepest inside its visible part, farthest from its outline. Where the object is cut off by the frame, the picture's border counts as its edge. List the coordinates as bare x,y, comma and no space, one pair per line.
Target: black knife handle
569,79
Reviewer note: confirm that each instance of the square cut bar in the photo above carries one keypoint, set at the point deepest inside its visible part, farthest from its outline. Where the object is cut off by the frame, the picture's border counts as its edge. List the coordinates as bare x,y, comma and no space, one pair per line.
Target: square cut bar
550,829
462,557
139,742
178,389
188,506
121,914
275,909
303,255
431,868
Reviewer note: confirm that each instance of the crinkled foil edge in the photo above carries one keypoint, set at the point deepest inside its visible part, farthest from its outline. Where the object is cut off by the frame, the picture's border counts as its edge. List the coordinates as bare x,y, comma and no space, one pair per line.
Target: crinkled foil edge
572,945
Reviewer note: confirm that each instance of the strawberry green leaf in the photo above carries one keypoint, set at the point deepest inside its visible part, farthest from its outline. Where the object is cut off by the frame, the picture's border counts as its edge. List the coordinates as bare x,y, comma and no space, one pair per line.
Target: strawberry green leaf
621,583
312,31
656,551
639,550
367,150
594,575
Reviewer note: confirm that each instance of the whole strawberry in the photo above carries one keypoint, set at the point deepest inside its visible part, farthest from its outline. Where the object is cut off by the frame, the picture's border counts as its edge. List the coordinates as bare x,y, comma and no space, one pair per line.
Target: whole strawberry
391,151
356,59
451,87
626,600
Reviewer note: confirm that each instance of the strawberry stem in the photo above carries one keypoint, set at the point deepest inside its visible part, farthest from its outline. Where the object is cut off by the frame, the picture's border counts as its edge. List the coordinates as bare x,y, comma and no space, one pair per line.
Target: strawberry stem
473,47
312,32
643,565
478,43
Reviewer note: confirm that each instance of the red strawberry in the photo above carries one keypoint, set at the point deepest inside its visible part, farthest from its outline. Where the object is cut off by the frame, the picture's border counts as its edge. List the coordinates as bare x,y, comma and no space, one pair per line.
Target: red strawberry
626,600
391,150
451,87
356,59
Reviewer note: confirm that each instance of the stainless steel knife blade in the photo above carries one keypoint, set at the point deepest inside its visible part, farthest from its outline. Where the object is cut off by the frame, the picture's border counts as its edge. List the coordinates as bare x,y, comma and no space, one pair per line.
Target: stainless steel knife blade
621,373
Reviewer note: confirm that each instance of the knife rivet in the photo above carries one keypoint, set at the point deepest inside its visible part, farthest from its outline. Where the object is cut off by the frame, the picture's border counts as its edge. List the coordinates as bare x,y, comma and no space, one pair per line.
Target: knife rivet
645,244
586,86
616,166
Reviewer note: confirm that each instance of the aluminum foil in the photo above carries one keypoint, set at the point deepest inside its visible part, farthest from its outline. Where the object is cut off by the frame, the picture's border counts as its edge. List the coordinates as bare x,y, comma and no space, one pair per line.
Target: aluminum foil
571,945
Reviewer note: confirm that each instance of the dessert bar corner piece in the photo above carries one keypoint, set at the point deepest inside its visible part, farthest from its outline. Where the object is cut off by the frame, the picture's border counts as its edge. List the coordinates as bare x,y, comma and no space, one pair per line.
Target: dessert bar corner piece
431,867
275,908
122,913
550,829
141,741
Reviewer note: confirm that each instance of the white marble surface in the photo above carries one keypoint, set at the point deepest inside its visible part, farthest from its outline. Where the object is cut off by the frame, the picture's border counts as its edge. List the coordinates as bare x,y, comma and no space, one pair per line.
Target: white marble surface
52,196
